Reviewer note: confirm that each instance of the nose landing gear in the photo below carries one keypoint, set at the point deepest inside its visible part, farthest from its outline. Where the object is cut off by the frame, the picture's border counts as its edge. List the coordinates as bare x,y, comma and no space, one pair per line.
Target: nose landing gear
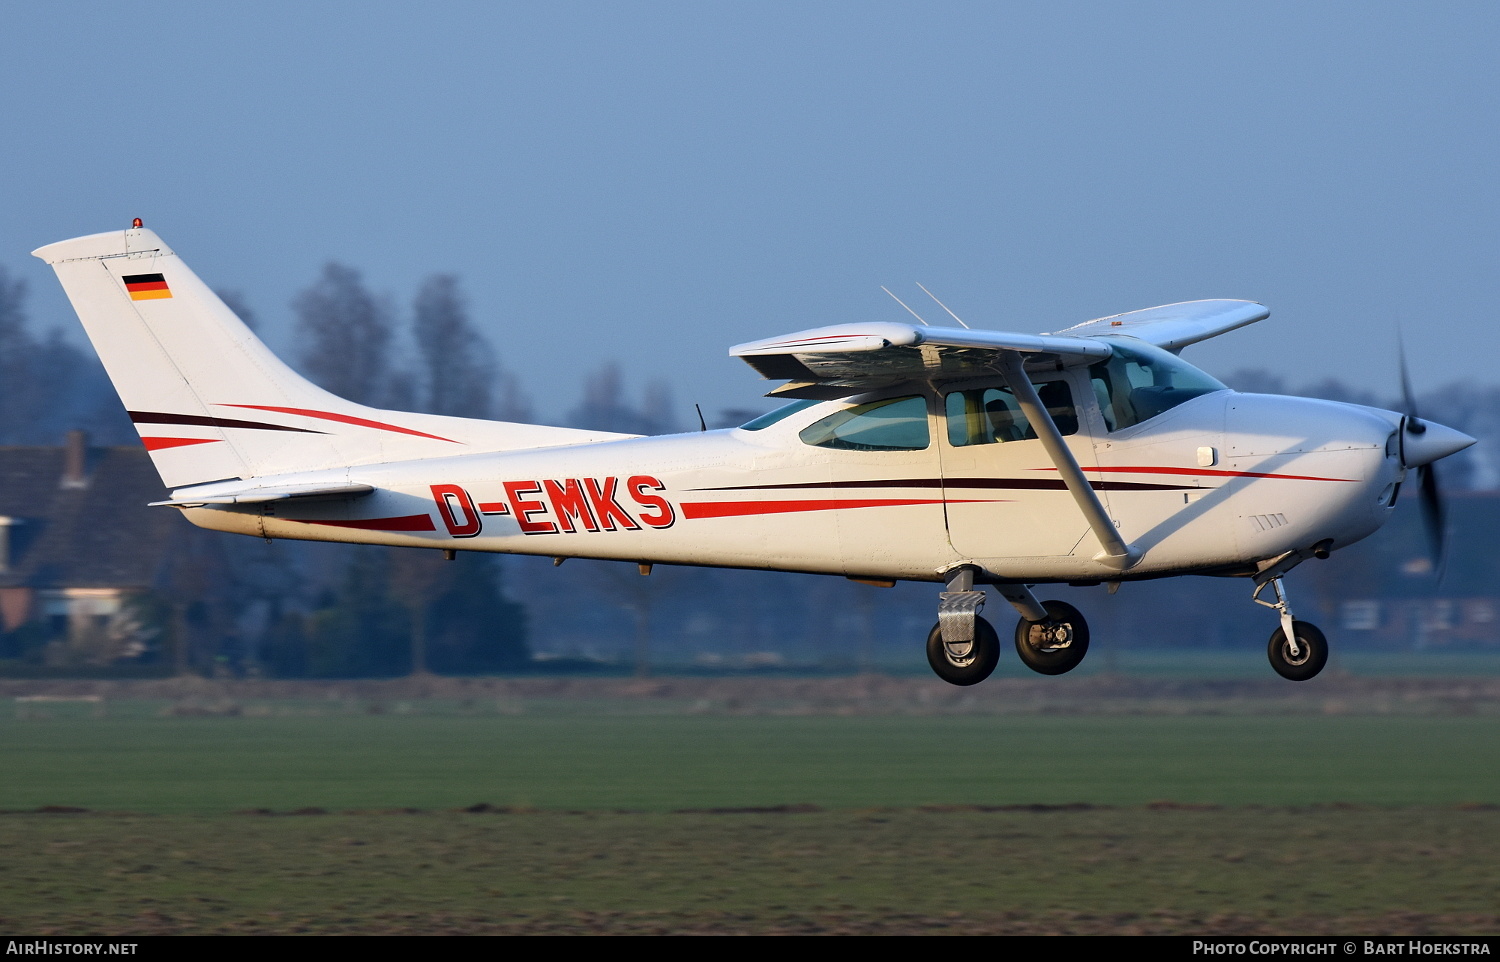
1300,658
1297,650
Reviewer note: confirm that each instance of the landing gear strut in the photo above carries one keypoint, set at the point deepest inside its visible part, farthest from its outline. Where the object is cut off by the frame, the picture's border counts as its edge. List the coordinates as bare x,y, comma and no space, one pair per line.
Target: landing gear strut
1297,650
964,662
962,647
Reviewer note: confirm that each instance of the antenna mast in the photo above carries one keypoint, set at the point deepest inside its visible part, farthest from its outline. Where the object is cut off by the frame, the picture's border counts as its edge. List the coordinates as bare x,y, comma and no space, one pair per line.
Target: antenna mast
903,304
943,306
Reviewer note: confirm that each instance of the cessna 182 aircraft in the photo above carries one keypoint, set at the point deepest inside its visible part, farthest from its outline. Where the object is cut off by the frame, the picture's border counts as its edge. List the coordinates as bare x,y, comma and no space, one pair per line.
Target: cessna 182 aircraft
969,458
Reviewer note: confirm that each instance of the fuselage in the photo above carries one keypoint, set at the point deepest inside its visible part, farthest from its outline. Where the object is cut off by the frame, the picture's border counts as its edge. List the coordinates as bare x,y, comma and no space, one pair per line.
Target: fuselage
1215,483
1092,454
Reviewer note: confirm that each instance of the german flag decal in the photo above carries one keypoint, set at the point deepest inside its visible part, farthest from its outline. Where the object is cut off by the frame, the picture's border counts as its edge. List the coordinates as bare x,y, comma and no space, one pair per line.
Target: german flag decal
146,287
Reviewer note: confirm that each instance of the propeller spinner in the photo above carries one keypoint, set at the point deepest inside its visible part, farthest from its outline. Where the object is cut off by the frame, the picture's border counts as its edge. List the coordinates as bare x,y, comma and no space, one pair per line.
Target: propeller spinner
1423,443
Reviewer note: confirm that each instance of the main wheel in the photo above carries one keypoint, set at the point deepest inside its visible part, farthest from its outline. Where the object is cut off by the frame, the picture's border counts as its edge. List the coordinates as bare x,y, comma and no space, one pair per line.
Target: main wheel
1312,652
966,663
1056,645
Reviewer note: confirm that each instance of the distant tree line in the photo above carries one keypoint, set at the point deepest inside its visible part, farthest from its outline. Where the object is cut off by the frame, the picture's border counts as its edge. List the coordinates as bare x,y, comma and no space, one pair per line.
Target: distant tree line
292,609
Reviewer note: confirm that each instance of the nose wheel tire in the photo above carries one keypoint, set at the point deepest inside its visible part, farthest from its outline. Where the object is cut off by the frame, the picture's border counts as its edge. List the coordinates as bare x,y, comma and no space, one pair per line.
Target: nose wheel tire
1311,656
1056,645
964,663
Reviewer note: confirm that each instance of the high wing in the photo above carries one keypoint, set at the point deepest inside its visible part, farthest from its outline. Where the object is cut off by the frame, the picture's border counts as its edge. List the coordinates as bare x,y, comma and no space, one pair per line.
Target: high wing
844,359
1175,326
833,362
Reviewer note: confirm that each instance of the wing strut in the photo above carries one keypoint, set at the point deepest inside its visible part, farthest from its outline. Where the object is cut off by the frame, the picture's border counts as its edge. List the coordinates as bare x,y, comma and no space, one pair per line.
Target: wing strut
1117,554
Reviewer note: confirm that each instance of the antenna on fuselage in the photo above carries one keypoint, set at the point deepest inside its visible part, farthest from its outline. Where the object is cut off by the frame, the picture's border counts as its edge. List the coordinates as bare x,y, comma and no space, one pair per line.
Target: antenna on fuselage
903,304
943,306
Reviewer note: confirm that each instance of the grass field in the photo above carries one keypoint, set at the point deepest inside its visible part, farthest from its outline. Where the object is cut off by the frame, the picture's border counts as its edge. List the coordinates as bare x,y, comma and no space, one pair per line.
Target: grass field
1225,871
601,761
599,815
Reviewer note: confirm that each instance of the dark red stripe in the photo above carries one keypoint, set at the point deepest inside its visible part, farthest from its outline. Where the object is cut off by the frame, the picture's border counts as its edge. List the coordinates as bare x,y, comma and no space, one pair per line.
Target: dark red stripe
158,444
816,340
342,419
146,286
411,522
156,417
1208,472
734,509
987,484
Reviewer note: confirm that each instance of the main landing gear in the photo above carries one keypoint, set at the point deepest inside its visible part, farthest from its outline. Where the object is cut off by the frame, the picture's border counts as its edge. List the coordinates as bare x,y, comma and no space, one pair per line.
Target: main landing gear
963,649
1054,646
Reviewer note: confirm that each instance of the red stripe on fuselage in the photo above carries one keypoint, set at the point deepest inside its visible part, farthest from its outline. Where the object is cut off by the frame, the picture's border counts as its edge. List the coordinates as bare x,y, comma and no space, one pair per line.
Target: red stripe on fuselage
158,444
342,419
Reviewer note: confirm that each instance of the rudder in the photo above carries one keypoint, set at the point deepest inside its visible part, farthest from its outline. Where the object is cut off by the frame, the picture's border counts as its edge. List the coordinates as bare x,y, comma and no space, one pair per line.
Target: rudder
211,402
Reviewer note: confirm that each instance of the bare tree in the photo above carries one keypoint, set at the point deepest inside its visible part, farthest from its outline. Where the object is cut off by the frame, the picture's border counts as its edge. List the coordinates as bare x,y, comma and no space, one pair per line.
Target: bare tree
458,365
235,301
606,408
642,596
346,336
656,409
16,350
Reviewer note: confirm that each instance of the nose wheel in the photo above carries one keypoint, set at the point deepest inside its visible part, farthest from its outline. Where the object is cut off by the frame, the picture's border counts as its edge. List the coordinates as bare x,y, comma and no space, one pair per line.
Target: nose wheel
1055,645
1300,661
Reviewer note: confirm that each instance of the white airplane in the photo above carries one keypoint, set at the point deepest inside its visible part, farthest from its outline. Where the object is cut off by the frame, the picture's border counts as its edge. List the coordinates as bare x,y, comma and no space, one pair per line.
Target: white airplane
909,452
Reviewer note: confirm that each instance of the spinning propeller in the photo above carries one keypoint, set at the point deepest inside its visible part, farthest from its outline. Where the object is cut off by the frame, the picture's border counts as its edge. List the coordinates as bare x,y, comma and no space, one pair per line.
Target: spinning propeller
1422,444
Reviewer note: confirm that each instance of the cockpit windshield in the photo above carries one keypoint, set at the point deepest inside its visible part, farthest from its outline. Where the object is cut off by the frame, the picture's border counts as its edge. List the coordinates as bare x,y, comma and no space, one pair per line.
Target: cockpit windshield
1140,381
771,417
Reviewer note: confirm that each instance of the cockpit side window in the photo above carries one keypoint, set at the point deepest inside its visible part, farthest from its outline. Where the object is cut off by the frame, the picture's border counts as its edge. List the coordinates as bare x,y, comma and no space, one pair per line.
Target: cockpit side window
992,415
890,424
1140,381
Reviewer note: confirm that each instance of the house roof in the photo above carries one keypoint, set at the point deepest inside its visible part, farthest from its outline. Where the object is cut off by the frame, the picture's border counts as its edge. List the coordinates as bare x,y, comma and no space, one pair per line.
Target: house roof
99,534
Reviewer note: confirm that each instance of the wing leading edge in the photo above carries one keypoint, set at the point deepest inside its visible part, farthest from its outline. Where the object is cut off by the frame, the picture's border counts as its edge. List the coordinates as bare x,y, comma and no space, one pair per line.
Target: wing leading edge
825,363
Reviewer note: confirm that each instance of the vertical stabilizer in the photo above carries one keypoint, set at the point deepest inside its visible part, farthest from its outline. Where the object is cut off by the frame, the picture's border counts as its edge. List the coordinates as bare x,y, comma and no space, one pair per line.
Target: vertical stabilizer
211,402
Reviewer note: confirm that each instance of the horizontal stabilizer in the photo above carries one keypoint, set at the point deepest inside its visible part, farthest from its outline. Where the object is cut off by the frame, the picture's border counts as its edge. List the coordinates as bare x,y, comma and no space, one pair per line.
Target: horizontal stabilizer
242,493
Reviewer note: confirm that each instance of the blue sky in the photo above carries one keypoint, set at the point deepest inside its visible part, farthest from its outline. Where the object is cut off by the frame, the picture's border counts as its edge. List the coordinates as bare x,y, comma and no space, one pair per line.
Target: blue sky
653,182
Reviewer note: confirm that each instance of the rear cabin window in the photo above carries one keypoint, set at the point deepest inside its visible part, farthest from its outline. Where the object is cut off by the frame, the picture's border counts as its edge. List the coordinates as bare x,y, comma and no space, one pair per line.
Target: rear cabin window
1140,381
992,415
891,424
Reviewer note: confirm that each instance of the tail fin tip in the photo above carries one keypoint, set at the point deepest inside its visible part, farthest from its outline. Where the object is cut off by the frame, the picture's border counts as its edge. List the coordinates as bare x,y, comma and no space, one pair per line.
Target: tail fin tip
114,243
